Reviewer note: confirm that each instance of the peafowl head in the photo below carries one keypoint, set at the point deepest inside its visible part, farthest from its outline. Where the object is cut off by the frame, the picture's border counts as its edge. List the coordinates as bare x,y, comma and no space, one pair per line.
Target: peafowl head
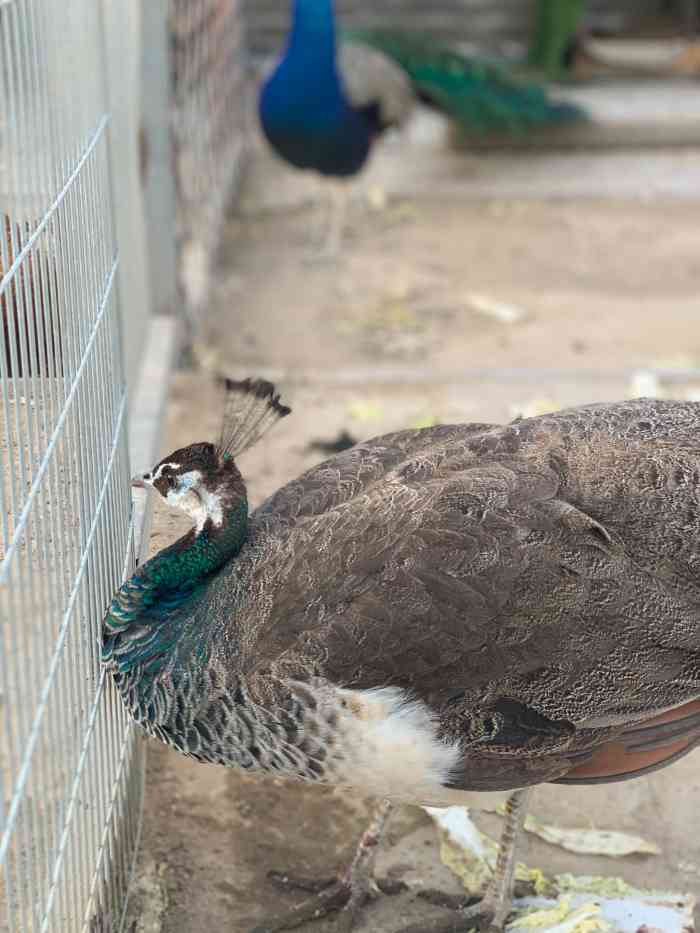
203,480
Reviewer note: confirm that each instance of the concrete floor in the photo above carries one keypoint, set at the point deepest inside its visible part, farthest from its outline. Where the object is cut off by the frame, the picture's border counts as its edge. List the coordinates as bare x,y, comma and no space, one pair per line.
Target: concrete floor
395,334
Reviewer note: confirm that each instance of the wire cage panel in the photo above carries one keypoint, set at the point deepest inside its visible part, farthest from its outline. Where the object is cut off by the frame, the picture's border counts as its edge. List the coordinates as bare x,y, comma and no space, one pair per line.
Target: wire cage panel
71,766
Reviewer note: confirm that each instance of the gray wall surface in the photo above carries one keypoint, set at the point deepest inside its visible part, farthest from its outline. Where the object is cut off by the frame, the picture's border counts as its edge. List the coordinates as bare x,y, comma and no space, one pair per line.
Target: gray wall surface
465,20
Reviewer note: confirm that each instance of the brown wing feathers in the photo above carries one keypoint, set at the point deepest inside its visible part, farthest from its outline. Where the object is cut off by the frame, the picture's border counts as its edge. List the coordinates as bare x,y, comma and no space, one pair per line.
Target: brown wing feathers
642,748
534,583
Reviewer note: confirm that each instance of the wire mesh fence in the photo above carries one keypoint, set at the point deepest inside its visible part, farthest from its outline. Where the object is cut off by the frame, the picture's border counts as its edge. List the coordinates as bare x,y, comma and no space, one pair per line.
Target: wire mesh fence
71,766
208,104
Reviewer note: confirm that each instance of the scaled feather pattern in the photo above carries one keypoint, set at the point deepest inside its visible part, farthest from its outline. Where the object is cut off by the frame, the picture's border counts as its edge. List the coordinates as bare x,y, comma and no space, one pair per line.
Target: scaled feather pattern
462,607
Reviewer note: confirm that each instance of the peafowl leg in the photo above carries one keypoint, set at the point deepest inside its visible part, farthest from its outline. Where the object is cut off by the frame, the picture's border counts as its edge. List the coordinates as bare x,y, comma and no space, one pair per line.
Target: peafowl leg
496,903
350,893
491,913
337,210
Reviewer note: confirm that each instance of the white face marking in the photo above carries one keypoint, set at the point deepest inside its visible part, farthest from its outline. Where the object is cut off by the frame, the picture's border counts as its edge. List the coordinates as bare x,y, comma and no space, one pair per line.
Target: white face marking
390,747
159,471
192,497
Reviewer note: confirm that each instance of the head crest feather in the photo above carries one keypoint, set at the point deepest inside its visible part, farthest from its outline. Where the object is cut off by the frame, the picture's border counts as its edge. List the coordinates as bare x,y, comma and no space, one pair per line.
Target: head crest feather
251,408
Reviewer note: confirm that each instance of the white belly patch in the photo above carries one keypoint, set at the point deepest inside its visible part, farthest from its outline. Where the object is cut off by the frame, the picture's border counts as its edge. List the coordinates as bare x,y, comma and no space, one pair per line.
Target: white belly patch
389,747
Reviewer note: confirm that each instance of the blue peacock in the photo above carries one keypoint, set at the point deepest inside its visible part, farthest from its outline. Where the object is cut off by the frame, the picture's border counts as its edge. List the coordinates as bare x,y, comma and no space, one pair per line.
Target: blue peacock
330,97
461,607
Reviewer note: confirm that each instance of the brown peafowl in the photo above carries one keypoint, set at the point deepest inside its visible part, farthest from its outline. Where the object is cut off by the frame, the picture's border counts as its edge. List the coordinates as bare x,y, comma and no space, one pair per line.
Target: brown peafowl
462,607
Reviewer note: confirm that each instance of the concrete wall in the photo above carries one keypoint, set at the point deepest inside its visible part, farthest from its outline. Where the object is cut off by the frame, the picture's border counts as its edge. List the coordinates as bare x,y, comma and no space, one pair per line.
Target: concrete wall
480,20
208,60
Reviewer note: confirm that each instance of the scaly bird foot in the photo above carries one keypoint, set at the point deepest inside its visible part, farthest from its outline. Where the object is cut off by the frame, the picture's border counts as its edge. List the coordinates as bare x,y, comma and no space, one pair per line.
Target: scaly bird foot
489,915
344,897
334,898
462,920
348,895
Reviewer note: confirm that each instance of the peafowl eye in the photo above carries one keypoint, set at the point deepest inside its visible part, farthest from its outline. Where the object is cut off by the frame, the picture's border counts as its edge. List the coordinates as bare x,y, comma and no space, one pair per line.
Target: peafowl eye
167,480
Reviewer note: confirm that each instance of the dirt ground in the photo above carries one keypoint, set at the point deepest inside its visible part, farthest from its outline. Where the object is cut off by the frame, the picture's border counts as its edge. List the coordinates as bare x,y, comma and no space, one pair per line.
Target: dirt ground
395,334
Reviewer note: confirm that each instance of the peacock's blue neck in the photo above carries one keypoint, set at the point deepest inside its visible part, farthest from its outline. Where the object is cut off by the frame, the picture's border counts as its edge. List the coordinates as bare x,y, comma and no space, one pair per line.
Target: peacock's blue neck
143,623
305,112
307,73
313,39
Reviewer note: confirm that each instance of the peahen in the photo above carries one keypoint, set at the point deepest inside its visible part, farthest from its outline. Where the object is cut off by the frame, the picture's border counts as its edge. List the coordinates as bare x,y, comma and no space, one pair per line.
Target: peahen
327,101
462,607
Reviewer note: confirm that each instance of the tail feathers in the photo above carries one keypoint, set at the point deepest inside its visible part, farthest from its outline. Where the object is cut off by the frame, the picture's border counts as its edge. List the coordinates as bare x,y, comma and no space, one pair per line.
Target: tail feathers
479,94
485,109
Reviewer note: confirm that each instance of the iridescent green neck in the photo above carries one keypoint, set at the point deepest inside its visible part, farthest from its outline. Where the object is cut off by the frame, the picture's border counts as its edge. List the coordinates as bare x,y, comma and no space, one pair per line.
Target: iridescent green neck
185,564
149,600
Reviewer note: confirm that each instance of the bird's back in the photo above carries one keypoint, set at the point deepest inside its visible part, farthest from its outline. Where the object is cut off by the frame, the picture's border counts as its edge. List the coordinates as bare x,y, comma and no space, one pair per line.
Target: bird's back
532,586
538,580
478,93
